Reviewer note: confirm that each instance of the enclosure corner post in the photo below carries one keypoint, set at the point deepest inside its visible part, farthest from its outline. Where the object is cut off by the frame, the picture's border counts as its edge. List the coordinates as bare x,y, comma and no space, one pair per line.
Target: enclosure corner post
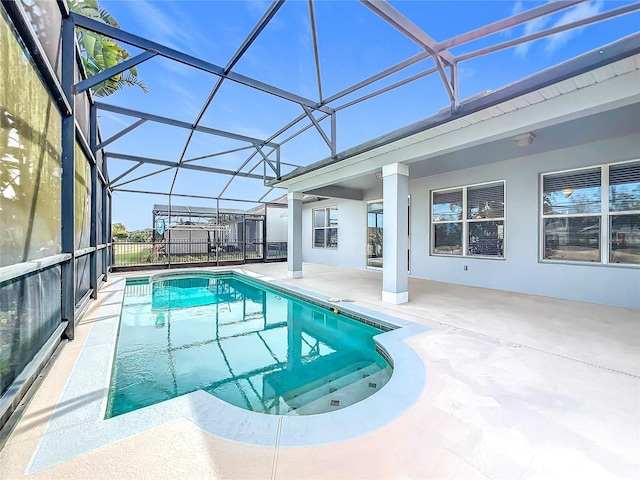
68,179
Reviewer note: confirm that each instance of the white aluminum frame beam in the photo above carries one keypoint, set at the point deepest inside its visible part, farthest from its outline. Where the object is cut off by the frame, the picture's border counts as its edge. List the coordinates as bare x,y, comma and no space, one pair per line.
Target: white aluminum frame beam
554,30
253,35
316,54
401,23
180,124
443,58
121,133
188,166
143,43
331,142
510,22
90,82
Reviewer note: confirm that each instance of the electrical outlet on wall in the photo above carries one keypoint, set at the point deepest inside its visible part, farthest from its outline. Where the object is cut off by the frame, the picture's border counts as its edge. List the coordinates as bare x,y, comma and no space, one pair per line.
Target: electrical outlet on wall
465,268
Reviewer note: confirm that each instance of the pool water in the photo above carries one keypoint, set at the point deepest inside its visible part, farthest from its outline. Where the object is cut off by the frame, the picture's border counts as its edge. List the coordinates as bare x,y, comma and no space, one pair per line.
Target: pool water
251,346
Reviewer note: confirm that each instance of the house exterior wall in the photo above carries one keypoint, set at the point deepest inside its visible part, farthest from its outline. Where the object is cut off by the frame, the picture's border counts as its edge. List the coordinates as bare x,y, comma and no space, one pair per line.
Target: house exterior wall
187,241
521,270
276,224
352,235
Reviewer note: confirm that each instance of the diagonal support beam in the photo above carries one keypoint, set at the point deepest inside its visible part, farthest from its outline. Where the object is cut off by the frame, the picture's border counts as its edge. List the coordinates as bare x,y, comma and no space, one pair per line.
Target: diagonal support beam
314,36
132,180
258,163
218,154
388,88
121,133
178,123
419,57
275,168
188,166
408,28
412,31
111,72
316,124
267,193
453,95
190,60
253,35
257,29
122,175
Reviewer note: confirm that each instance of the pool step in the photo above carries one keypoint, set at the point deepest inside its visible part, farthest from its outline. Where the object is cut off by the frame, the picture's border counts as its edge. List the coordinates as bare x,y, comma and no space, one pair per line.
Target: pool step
347,395
333,386
324,380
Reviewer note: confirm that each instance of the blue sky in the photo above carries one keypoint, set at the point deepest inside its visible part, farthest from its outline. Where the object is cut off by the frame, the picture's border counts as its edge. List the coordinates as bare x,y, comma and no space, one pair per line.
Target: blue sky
353,43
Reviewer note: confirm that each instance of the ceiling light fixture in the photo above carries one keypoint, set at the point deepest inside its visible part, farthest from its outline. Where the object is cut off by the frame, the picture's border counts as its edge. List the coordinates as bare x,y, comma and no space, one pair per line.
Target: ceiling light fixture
524,139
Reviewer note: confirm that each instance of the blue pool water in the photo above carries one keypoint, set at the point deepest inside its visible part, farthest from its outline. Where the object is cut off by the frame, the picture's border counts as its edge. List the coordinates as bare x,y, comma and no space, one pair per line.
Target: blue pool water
247,344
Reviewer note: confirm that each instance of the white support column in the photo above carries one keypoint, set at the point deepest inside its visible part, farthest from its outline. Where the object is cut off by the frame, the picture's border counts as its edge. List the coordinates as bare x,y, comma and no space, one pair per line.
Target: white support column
294,232
395,193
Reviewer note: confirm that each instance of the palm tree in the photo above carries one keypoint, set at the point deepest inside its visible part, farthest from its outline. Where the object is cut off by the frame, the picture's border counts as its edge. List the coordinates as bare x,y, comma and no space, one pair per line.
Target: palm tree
100,53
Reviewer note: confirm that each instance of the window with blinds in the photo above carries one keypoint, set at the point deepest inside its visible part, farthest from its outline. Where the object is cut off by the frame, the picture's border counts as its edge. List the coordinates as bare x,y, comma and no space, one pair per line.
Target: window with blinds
573,192
325,227
447,219
592,214
469,220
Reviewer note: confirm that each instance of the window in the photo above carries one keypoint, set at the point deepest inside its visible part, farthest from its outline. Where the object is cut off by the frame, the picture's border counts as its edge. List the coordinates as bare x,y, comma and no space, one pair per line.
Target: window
325,227
468,221
592,214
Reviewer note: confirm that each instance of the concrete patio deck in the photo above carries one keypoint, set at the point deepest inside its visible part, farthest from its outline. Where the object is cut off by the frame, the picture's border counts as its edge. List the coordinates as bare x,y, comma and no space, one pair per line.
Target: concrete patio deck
518,386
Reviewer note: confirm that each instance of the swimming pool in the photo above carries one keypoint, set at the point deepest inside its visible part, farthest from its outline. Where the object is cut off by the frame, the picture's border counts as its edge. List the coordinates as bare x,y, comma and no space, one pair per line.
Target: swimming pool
244,342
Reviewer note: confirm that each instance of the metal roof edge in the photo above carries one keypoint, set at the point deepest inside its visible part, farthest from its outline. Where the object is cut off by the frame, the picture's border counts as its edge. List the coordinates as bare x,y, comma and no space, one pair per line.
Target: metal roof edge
592,60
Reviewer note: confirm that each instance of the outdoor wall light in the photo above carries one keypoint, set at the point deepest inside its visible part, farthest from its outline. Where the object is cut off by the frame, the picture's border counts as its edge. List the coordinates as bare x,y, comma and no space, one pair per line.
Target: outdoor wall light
524,139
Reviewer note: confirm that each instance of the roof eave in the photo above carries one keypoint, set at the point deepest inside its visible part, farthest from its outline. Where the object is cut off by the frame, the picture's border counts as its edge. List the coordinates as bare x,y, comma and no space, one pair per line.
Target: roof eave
613,52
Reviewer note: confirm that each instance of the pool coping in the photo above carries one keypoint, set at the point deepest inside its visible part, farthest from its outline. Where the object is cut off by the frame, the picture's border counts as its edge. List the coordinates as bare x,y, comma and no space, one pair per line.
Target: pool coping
74,431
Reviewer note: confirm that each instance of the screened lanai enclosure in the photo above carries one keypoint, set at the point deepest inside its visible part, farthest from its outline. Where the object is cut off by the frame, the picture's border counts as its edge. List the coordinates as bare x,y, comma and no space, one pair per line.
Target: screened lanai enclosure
272,89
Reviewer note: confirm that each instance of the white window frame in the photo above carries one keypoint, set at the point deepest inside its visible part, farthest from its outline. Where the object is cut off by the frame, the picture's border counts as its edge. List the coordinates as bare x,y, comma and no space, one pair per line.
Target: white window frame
369,202
604,215
466,221
326,226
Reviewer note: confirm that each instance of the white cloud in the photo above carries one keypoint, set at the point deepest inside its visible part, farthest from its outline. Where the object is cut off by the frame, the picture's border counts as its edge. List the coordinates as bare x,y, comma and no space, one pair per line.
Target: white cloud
556,41
517,7
190,103
257,6
307,84
242,129
581,11
466,72
168,25
157,23
530,27
112,117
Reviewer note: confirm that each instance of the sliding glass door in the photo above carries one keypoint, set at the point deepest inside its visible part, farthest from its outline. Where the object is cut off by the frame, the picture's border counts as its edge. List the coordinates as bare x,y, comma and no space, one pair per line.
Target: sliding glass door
374,234
375,212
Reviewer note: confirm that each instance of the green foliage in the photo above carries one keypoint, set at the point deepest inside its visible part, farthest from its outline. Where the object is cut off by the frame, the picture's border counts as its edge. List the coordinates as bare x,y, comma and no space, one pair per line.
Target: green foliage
119,231
142,236
100,53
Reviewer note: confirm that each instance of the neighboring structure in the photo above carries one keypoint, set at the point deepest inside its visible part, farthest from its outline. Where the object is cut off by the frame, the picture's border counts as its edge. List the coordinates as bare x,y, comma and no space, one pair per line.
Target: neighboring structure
533,188
195,230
